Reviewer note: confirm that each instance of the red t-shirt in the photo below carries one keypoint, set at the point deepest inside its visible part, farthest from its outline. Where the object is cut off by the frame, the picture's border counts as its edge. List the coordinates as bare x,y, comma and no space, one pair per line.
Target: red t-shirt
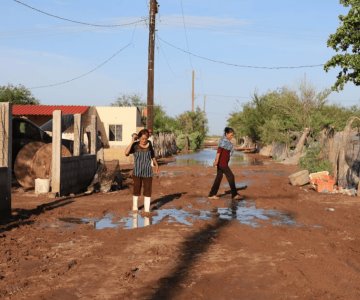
224,157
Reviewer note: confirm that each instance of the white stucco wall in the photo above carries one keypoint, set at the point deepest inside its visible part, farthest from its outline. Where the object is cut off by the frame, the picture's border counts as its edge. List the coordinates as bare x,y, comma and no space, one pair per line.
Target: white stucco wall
128,117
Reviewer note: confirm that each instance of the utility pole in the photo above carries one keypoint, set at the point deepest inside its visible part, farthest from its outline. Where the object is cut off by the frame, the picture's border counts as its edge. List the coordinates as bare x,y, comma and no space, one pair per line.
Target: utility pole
204,102
150,88
193,92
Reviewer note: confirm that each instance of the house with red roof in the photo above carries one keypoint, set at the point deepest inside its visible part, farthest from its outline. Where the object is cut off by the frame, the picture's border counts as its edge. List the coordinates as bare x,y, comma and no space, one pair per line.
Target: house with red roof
40,114
115,124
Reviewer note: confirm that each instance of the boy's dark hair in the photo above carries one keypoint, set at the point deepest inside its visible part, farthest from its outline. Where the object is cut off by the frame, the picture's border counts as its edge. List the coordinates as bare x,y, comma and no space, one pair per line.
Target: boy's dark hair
228,130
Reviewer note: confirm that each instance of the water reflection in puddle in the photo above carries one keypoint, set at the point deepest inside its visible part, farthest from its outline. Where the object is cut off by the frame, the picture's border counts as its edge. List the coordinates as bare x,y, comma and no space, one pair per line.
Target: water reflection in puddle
245,212
172,215
206,157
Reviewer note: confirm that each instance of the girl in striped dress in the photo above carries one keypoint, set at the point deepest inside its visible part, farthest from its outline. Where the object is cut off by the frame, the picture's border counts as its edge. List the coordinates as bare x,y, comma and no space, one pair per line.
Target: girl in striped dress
143,152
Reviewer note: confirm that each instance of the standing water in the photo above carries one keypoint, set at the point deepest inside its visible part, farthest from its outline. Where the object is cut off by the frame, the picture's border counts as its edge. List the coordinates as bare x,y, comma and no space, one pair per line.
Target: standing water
206,157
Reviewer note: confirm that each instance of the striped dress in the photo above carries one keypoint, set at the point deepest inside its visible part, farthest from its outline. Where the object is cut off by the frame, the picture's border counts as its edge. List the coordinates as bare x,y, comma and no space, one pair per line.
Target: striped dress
142,160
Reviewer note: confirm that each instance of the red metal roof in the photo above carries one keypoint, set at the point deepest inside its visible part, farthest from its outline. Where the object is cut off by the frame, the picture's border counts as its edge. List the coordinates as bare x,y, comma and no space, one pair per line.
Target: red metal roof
47,110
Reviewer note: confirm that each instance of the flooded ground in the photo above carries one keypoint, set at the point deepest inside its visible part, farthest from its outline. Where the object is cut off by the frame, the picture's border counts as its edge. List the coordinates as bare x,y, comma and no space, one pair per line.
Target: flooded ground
280,242
206,158
244,212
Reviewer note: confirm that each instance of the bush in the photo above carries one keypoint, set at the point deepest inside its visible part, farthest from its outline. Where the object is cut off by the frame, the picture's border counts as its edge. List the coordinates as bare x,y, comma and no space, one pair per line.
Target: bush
314,160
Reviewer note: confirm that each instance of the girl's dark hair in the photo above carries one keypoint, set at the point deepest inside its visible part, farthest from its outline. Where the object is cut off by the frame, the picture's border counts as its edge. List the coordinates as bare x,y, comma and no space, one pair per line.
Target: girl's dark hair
228,130
143,132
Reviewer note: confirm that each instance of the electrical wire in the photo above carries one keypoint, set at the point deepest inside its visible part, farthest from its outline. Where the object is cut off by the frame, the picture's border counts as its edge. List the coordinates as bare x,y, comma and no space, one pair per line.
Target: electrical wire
160,49
79,22
237,65
85,74
186,36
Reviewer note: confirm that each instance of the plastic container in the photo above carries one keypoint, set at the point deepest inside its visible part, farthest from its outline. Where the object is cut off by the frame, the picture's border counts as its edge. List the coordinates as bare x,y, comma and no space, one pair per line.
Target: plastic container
42,186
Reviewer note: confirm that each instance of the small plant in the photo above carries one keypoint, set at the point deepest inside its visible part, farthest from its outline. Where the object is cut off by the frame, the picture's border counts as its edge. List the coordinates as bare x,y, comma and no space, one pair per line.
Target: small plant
314,160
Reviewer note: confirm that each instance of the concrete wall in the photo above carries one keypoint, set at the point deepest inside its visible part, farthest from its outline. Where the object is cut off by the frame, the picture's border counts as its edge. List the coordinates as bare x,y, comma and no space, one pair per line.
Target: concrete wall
128,117
77,173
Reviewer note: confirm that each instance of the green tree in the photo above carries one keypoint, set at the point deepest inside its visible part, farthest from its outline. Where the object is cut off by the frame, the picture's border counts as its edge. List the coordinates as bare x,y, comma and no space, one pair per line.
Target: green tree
347,41
193,125
17,95
129,100
162,122
278,116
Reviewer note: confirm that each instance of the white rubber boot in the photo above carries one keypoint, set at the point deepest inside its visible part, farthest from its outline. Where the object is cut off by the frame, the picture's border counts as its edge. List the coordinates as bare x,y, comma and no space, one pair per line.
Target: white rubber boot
147,204
146,221
135,203
134,220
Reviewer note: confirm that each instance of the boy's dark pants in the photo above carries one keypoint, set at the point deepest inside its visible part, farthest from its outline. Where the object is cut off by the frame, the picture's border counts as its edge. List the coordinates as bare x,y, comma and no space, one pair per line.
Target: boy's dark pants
230,178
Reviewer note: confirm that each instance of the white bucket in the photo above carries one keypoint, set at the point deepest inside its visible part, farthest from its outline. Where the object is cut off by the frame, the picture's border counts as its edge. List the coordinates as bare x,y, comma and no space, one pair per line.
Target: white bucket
42,186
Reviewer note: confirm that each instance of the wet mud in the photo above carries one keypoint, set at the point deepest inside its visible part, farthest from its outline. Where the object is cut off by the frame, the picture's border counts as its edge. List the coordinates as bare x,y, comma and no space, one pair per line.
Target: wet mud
280,242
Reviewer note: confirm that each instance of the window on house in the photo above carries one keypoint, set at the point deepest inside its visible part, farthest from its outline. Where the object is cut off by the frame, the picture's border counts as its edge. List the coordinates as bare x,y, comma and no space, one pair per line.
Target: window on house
115,133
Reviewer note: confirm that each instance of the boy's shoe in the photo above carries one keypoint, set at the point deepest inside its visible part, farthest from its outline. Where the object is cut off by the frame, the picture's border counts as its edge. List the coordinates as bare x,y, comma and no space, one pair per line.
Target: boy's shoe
214,197
238,197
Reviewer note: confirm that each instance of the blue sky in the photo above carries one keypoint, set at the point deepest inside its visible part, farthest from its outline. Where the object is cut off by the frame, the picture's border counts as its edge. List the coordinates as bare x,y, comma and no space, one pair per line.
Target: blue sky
38,50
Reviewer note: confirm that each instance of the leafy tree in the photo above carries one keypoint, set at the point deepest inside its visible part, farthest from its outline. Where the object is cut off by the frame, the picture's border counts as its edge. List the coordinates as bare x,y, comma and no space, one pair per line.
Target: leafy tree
194,126
129,100
278,116
162,122
17,95
347,41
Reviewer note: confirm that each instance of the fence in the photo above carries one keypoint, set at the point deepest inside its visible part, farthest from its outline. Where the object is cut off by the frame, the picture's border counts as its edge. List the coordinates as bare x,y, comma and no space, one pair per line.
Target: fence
165,144
77,173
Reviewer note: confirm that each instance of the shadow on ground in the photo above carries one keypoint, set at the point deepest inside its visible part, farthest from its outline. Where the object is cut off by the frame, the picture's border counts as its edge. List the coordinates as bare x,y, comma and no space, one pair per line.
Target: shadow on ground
191,250
23,216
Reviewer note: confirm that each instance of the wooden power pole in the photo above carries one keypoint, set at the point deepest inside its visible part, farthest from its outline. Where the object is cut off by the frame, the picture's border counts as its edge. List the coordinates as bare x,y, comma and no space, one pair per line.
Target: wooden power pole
150,88
193,92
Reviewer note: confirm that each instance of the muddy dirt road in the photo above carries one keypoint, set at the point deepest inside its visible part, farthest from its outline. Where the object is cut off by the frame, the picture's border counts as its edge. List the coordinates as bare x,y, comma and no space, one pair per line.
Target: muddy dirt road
281,242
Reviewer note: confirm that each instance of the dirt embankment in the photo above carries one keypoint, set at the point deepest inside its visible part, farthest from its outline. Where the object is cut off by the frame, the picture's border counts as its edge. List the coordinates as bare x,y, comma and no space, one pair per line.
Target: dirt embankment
281,242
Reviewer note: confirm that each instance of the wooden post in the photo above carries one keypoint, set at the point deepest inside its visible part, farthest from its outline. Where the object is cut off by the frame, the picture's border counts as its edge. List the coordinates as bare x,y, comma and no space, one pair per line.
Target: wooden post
5,158
93,133
56,153
77,134
151,57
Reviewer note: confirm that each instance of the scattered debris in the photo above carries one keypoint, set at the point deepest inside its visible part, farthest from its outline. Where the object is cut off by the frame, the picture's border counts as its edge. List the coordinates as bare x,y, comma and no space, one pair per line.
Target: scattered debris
299,178
322,182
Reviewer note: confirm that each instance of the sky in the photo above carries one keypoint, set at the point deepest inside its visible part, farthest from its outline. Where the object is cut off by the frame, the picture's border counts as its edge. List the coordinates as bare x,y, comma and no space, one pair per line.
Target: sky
213,38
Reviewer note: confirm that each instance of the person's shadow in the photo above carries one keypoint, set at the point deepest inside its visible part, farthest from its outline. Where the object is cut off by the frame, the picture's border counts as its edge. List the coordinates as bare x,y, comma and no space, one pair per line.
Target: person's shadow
23,216
238,188
157,203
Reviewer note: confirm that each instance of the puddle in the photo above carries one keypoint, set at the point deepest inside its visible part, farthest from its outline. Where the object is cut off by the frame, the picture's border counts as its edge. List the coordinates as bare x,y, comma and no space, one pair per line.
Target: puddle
245,212
172,215
206,158
105,222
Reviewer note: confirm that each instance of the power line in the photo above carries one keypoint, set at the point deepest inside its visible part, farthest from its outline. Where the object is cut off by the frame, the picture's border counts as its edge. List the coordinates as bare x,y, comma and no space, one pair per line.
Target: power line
79,22
160,49
85,74
185,30
237,65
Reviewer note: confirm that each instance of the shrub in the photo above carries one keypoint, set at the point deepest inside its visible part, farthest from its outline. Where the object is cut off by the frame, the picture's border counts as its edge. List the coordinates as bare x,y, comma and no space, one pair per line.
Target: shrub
314,160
